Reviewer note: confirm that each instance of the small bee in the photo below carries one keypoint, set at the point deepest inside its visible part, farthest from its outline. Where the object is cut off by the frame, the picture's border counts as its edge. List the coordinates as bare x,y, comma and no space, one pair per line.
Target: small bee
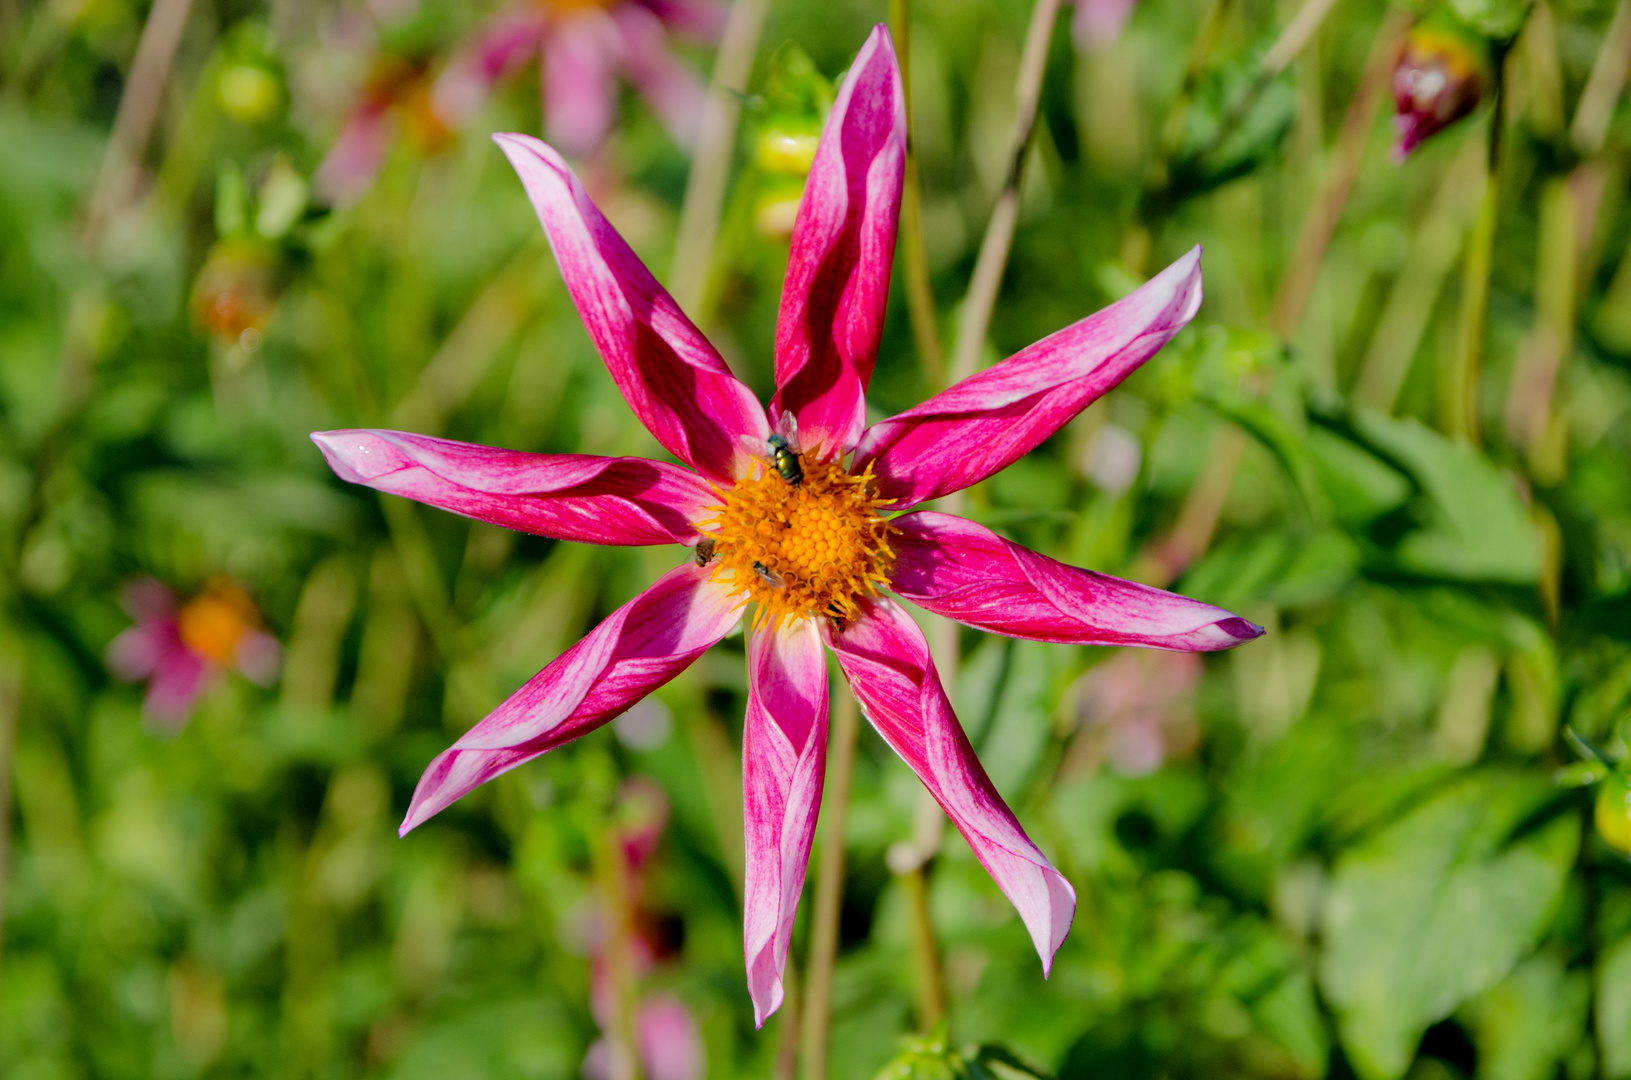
839,619
786,462
705,551
769,576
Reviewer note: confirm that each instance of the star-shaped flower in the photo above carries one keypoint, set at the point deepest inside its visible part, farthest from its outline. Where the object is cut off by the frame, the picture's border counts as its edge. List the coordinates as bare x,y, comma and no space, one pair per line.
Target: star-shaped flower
790,511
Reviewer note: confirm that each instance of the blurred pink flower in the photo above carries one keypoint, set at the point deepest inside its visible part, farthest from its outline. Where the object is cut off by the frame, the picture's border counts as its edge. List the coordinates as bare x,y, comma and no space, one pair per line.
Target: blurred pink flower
395,95
1441,75
1136,710
776,517
583,45
180,650
1097,24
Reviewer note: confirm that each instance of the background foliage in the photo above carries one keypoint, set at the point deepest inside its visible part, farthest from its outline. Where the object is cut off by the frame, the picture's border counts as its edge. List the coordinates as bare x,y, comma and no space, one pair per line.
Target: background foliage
1341,850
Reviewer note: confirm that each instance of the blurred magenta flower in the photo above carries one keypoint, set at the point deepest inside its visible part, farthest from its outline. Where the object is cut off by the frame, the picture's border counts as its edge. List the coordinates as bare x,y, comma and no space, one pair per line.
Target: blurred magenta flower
396,94
1439,78
1097,24
180,649
790,528
583,45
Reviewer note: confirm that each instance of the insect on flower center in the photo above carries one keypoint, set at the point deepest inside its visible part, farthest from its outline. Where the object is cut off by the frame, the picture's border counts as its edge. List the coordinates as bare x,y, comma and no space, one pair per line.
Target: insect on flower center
805,547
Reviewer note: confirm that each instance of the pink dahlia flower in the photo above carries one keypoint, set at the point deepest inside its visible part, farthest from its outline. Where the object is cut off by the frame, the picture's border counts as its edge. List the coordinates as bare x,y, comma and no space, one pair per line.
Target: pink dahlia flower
799,526
179,649
583,45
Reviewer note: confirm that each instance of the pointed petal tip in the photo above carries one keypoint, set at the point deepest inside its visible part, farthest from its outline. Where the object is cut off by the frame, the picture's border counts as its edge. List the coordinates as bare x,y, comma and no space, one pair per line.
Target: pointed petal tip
357,455
1242,630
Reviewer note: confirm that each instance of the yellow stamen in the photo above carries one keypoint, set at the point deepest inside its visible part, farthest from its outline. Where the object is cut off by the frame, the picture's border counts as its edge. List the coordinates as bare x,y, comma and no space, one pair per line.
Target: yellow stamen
214,621
802,550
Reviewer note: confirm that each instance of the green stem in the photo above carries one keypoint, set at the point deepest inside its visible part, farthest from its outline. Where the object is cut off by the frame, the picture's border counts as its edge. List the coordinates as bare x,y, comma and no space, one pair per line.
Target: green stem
919,289
1459,406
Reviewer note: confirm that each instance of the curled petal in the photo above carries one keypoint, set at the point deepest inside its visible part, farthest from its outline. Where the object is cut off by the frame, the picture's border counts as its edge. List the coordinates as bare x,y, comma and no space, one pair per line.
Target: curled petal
504,44
989,420
594,500
887,662
581,53
636,649
966,572
673,92
843,248
349,168
673,379
784,755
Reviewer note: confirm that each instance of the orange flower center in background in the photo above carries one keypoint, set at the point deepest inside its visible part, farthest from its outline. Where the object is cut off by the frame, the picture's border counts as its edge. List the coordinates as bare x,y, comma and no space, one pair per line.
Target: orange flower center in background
805,549
213,622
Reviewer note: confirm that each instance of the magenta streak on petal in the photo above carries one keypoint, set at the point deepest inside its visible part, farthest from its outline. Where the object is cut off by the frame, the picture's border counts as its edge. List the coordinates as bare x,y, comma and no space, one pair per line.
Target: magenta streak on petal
504,44
673,379
784,754
887,662
349,168
966,572
636,649
674,93
593,500
989,420
843,249
582,51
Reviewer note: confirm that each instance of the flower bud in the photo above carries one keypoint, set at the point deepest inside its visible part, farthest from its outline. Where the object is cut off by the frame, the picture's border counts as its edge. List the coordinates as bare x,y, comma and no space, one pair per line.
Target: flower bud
236,290
1613,811
1440,77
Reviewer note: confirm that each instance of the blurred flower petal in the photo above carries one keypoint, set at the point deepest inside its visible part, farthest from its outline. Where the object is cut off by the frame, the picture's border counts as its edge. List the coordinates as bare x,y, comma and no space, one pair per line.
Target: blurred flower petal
357,154
581,53
504,44
673,92
670,1044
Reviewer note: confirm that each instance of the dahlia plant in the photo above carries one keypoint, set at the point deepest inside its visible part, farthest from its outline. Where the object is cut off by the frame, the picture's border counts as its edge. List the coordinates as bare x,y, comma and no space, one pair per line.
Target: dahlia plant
802,515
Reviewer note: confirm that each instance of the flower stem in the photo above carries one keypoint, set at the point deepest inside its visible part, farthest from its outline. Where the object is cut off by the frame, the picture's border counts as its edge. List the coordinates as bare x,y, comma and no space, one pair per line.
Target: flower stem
1458,407
829,898
931,991
138,109
1596,108
999,231
919,289
711,162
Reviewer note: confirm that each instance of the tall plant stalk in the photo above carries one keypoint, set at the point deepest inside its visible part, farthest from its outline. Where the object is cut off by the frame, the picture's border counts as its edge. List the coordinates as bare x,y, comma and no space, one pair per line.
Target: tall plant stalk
919,289
829,898
1458,404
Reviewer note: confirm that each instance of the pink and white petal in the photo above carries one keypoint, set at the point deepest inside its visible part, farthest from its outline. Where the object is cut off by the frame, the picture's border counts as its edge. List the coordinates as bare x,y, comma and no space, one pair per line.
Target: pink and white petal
953,567
668,86
843,249
258,657
582,50
509,40
886,659
179,677
582,497
136,652
784,759
669,1041
701,20
147,599
989,420
673,379
348,170
1097,24
636,649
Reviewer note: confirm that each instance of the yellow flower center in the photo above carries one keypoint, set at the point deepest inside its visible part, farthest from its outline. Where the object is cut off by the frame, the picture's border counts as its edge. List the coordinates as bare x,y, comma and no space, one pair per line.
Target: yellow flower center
802,549
212,623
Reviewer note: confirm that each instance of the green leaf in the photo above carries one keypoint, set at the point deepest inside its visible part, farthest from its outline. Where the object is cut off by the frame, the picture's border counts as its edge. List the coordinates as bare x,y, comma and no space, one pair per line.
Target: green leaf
1360,485
1478,529
1614,1009
1530,1021
1436,908
1500,19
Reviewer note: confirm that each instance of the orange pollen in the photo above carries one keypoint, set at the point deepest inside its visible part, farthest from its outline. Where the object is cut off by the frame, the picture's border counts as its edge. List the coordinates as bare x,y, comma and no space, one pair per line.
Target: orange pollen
798,551
213,622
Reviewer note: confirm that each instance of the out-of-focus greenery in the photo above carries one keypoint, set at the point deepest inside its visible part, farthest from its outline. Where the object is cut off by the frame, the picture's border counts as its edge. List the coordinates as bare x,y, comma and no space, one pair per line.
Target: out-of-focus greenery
1341,850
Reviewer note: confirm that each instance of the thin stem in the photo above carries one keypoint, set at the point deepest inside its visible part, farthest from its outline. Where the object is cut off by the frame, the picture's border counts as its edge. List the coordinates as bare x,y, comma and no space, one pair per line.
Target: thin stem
931,991
1314,238
614,883
829,898
919,288
999,231
711,163
1459,406
787,1036
1596,108
138,109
